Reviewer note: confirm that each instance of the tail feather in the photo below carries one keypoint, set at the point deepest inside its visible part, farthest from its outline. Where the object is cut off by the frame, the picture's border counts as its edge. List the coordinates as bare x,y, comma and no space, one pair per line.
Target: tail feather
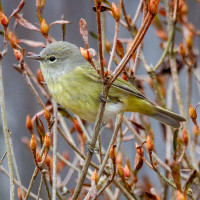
168,117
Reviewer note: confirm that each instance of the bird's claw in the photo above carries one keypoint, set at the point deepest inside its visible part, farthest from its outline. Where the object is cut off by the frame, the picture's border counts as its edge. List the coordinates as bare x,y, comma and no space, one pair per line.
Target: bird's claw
91,149
102,98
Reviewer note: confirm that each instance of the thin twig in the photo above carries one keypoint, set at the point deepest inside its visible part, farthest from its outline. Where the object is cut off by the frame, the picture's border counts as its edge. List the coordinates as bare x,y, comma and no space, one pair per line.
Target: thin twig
15,166
34,92
40,187
33,176
137,40
54,178
4,155
4,121
46,187
98,11
3,170
137,13
117,126
114,46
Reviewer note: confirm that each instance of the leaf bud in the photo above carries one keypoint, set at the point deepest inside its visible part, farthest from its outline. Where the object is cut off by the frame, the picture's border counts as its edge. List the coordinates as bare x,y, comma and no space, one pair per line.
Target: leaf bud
185,137
29,123
139,149
47,115
86,54
149,144
95,176
192,112
153,6
116,13
113,153
44,28
182,50
40,77
120,170
47,141
33,142
3,19
17,54
127,171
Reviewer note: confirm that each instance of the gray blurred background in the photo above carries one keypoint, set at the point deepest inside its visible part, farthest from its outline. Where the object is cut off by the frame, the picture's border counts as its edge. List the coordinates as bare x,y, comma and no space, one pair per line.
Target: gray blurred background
20,101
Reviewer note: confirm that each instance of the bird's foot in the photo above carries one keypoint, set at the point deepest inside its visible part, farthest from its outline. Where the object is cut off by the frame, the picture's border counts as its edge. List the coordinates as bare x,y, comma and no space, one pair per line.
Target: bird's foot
91,149
102,98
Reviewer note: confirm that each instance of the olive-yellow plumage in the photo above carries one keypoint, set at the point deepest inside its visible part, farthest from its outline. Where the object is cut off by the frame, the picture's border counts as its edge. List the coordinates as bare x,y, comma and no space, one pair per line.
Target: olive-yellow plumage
75,85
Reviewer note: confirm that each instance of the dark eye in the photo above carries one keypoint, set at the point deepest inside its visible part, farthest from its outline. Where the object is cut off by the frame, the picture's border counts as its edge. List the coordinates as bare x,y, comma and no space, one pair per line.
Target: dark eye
52,58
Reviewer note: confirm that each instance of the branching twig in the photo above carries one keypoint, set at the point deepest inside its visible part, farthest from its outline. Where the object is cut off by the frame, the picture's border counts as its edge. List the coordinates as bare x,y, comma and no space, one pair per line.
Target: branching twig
4,120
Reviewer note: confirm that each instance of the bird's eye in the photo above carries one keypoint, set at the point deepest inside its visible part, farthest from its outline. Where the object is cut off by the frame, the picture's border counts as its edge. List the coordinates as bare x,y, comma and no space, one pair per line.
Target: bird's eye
52,58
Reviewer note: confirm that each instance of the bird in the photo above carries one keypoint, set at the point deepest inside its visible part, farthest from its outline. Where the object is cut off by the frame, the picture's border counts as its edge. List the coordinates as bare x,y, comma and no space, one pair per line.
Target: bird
76,85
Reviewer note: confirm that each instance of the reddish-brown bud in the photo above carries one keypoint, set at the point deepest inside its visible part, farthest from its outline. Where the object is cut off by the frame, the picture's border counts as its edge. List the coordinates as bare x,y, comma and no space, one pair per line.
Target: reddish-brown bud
29,123
127,171
153,6
47,141
120,170
113,153
119,159
183,8
3,19
19,193
119,49
175,167
189,41
47,115
192,112
44,28
182,50
86,54
185,137
180,196
17,54
77,126
40,127
149,144
139,149
12,39
95,176
135,178
138,163
33,143
40,77
38,158
49,161
116,13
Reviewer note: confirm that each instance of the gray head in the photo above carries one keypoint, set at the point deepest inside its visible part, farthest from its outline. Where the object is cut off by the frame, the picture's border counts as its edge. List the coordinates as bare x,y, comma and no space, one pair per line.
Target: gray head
59,57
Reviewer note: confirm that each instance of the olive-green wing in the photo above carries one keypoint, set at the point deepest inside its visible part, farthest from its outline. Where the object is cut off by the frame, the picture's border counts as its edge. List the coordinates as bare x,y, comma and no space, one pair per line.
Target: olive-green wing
119,82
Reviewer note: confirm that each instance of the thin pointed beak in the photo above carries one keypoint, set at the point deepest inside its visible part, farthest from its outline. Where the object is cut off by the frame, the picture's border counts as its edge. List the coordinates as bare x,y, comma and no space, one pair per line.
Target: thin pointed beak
36,57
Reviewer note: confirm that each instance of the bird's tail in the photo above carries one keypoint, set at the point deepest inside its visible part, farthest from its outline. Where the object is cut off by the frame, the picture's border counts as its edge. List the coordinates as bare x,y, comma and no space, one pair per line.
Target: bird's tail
167,117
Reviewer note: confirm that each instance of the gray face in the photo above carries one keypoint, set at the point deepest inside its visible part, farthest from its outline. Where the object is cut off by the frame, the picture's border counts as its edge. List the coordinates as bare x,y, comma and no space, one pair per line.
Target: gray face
57,54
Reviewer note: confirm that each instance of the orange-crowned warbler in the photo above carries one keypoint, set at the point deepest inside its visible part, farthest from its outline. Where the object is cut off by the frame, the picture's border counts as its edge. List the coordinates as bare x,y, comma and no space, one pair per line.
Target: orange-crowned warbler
75,84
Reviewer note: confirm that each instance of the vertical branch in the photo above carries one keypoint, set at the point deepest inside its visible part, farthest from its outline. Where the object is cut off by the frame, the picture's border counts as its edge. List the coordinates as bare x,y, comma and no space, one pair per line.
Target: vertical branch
92,144
189,89
98,10
173,61
54,180
114,45
117,126
4,121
